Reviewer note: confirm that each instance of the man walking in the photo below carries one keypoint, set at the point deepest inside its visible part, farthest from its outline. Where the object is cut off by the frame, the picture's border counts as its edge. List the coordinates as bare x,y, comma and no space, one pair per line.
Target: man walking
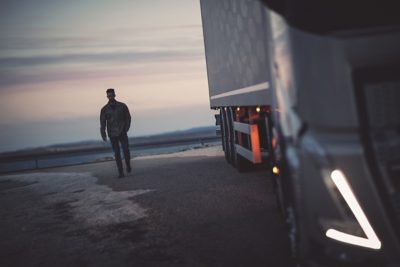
116,117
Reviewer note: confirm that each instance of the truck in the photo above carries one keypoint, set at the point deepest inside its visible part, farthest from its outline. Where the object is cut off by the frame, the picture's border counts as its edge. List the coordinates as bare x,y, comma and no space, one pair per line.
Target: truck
311,89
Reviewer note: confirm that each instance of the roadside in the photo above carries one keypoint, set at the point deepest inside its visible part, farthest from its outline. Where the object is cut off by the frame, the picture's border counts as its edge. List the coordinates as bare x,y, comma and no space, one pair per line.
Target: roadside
182,209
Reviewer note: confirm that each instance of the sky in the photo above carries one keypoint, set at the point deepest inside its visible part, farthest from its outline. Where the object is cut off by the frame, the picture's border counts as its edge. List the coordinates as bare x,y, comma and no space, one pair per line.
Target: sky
57,58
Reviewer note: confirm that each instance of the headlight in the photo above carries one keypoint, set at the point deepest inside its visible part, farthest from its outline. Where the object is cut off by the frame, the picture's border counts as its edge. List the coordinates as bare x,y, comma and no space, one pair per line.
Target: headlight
371,240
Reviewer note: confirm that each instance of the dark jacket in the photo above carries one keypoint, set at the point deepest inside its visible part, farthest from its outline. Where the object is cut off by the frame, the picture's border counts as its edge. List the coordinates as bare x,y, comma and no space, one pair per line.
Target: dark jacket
116,118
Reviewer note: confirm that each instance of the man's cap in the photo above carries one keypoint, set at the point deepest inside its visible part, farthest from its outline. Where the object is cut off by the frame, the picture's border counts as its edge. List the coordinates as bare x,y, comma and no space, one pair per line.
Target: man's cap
110,90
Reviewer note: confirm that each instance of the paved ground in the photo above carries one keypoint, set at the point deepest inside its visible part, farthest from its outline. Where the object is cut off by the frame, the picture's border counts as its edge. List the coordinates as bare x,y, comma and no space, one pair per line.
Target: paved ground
184,209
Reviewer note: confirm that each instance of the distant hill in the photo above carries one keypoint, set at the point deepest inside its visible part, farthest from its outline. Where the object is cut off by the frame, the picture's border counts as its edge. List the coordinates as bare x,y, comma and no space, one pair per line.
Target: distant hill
199,132
168,137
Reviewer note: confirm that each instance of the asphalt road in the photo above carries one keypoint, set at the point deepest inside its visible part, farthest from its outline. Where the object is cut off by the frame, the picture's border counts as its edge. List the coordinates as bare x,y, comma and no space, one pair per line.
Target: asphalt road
186,209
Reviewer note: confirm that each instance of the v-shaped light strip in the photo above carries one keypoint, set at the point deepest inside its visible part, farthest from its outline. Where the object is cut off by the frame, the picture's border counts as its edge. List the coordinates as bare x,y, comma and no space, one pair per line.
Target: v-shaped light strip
372,240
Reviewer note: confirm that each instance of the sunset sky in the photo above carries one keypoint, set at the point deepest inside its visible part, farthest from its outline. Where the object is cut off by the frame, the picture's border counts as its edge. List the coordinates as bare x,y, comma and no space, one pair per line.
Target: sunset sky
57,58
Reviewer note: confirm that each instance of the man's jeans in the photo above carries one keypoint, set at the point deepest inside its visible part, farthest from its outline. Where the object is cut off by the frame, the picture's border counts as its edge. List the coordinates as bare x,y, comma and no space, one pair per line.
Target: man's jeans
123,139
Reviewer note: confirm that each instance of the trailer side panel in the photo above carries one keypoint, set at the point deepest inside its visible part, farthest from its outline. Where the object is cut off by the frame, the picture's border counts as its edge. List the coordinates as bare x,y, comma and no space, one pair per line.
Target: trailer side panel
235,38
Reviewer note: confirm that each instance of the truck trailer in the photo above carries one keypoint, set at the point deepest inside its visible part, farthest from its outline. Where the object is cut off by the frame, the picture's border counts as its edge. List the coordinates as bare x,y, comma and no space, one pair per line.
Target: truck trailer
311,89
236,42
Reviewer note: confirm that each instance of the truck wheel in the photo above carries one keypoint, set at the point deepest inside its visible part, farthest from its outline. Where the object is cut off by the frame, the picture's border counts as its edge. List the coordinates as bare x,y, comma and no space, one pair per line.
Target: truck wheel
279,195
225,133
286,207
229,156
277,173
286,201
231,141
227,150
280,189
242,164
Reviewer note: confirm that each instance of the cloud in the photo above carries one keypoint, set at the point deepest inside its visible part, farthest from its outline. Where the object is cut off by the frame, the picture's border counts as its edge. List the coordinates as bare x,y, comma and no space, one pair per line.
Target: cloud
118,57
27,59
11,78
49,38
15,70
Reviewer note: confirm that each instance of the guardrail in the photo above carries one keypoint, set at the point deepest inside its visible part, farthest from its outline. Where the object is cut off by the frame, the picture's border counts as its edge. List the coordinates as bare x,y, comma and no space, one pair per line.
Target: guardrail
51,159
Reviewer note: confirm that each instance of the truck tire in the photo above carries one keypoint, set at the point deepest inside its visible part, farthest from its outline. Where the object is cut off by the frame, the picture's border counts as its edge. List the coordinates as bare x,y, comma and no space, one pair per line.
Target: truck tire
221,126
225,134
285,200
242,164
231,138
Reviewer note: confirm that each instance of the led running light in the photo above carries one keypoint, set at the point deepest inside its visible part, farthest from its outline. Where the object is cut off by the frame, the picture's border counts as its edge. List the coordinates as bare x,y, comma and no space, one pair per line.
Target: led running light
372,241
275,170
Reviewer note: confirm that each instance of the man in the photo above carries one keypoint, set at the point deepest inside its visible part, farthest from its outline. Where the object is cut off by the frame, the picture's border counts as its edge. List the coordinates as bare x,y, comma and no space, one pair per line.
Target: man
116,117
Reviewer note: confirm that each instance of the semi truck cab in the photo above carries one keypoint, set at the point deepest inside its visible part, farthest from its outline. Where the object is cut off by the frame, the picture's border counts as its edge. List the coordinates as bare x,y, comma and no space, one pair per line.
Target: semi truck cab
336,81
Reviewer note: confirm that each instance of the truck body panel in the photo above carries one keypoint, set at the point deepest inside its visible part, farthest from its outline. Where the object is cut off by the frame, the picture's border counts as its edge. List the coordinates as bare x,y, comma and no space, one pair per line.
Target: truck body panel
233,31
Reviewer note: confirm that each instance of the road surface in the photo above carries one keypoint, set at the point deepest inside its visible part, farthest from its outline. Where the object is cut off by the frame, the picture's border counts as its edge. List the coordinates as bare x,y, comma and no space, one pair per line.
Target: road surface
184,209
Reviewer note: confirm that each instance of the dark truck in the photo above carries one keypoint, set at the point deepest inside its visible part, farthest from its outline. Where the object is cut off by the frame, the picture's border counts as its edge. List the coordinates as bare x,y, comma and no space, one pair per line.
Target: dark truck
312,90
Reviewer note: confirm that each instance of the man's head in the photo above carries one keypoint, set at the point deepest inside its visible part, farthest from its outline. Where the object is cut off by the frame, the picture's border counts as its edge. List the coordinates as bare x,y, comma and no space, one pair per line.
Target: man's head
110,94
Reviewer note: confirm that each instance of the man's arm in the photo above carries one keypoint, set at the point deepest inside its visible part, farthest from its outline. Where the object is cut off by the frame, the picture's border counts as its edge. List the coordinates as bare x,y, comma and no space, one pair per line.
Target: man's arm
103,124
127,119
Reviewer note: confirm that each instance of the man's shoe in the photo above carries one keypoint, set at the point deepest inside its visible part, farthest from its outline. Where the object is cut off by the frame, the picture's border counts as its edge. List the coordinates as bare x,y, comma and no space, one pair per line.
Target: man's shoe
121,175
128,169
